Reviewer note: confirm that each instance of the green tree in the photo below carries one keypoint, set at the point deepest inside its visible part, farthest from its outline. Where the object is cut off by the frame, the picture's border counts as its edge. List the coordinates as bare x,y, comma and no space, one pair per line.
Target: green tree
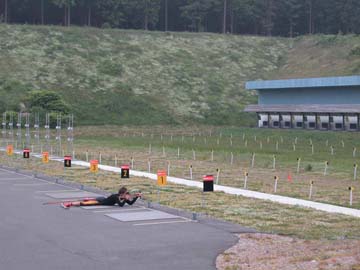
195,12
46,100
66,4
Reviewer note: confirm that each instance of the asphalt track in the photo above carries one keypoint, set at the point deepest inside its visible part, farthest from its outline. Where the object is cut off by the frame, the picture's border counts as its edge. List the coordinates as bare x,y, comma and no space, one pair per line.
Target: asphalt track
35,236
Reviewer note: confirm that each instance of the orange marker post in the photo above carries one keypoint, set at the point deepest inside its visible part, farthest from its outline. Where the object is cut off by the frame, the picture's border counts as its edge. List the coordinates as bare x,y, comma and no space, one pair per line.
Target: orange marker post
45,157
10,150
94,165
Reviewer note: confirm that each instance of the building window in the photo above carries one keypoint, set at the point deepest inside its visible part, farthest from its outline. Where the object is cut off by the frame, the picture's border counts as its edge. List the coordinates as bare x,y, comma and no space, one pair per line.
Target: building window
276,123
265,123
324,125
299,124
311,124
287,124
338,126
353,126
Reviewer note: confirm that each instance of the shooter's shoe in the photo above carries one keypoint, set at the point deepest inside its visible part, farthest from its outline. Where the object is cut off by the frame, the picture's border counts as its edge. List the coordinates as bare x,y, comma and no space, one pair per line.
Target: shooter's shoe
66,205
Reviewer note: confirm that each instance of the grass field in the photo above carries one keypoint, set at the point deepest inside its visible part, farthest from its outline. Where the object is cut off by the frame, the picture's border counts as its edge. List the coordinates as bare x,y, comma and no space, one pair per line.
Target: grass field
146,77
128,143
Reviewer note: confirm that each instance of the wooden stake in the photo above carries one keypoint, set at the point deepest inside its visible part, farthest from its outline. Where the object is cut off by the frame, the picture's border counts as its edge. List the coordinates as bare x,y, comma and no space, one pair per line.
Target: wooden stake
298,164
274,162
191,172
217,175
246,174
276,182
310,190
231,158
326,167
253,160
351,195
355,170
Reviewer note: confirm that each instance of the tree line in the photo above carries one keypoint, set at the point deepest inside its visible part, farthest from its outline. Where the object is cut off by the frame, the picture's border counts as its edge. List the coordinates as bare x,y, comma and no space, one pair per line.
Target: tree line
255,17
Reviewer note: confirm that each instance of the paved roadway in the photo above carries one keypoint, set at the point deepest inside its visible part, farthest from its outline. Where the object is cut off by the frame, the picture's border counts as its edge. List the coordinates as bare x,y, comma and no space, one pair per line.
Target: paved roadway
34,236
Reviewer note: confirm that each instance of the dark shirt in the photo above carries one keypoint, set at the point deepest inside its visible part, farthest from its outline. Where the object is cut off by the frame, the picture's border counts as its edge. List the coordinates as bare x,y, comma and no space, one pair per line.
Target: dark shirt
114,199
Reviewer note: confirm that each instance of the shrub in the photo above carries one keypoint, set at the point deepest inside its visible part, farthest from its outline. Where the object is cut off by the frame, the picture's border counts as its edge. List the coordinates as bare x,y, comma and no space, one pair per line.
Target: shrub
308,168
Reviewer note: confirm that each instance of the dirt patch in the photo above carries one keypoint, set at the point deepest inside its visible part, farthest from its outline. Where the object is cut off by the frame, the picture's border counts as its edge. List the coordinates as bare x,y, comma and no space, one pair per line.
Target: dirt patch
267,251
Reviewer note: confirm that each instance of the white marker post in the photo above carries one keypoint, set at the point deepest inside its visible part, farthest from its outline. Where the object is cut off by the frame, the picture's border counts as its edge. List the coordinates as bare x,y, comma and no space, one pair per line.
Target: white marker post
231,158
149,148
163,151
87,155
310,190
294,147
276,182
231,142
194,155
243,136
115,159
354,152
277,146
132,163
274,162
99,157
281,139
255,138
268,139
261,146
312,149
351,195
355,170
332,150
298,165
246,143
326,167
246,174
178,152
342,143
149,165
168,168
212,155
296,139
217,175
253,160
191,172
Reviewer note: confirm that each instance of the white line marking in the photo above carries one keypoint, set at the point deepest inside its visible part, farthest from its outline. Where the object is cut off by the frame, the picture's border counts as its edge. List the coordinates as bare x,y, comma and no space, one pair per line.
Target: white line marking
119,210
54,191
164,222
34,184
12,179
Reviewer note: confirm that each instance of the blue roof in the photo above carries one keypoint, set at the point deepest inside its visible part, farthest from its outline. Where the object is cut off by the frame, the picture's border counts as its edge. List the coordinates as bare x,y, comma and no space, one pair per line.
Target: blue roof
305,83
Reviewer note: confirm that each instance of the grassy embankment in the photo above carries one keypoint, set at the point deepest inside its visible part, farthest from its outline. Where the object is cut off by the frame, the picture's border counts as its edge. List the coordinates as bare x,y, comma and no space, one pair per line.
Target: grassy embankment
137,77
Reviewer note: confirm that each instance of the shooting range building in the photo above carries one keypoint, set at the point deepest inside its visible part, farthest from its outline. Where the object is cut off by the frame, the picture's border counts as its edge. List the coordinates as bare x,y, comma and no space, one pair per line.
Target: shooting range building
328,103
